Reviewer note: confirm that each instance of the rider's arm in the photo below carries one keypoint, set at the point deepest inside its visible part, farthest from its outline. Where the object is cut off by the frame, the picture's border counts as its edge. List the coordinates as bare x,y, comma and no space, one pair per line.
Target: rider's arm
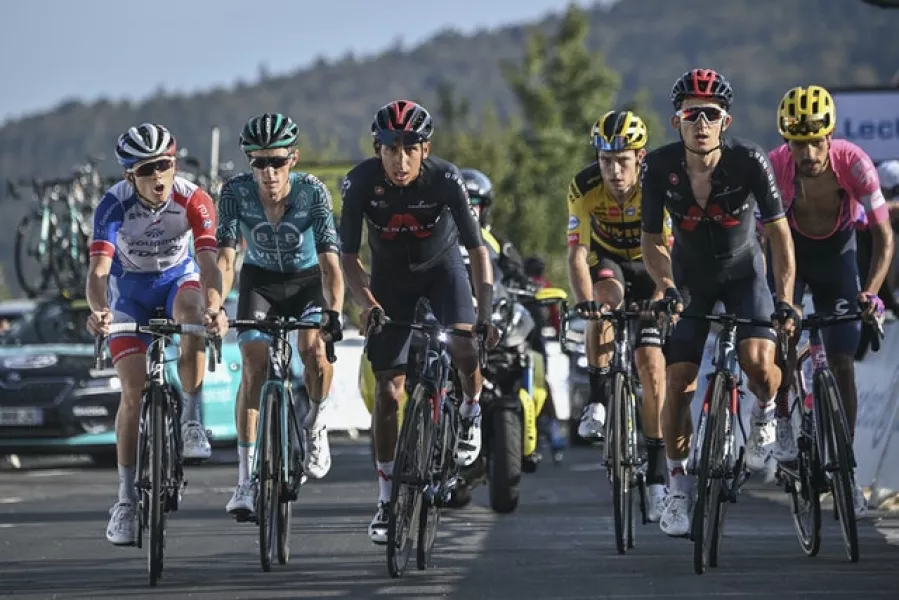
653,241
327,246
763,186
201,216
108,219
228,236
867,190
470,237
351,240
578,241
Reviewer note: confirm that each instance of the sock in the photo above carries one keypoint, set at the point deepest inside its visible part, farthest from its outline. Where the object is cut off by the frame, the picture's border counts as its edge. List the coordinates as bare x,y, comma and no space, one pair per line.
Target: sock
191,408
315,417
656,470
243,462
764,411
598,385
127,493
471,407
385,470
679,481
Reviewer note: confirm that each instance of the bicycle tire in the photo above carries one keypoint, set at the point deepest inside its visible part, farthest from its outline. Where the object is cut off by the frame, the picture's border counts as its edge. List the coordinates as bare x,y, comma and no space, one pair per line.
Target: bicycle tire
429,514
620,472
267,497
806,495
708,496
157,488
285,500
27,244
142,472
407,480
840,460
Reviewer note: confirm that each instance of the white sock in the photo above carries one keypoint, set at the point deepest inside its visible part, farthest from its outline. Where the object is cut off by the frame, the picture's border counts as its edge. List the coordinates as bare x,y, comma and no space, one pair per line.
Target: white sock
764,410
127,493
190,411
315,417
243,462
679,481
385,471
471,406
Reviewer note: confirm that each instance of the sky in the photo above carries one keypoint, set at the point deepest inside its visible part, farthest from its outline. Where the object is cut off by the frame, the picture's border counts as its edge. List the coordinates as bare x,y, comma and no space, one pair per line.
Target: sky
56,50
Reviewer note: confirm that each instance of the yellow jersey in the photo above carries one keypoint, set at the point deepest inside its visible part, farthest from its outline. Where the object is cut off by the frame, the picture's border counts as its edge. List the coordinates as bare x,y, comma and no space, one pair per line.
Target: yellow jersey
596,220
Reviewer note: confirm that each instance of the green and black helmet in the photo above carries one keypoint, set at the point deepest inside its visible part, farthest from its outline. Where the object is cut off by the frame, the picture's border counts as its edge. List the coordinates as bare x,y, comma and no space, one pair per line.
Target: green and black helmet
269,130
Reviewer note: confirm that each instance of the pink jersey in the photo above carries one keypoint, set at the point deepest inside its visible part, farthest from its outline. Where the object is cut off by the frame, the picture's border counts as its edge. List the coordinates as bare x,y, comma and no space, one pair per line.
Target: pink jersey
855,174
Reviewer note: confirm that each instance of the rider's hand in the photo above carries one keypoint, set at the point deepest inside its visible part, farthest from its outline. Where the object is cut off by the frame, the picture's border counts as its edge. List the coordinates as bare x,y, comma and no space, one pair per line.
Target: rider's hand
786,317
98,322
365,319
216,322
589,309
673,301
871,306
332,326
490,333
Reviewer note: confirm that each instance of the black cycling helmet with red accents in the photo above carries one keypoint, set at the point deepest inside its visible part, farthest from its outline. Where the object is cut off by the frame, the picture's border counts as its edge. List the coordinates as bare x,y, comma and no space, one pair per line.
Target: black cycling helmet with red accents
702,83
401,120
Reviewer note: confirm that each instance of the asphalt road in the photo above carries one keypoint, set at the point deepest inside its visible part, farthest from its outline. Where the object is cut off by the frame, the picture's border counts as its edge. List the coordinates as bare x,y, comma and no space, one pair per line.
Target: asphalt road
558,545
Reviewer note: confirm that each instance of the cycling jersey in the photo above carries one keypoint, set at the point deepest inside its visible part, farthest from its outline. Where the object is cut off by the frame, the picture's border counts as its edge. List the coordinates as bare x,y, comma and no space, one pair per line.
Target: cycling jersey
723,233
144,240
856,176
294,243
595,218
410,228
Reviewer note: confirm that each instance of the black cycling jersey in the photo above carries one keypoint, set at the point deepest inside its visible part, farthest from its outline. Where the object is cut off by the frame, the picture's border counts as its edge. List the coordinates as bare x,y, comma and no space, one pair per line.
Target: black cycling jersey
725,232
409,228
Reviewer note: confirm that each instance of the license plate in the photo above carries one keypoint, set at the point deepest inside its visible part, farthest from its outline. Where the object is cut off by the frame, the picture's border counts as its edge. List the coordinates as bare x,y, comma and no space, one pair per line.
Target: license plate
21,416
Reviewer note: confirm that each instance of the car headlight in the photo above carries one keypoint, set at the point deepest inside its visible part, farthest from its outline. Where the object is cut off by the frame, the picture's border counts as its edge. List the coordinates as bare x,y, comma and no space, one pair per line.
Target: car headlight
582,362
102,385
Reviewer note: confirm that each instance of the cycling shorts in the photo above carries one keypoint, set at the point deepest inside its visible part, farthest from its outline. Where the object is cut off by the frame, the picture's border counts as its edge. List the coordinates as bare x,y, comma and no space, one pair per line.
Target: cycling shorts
746,297
445,285
264,293
135,297
642,287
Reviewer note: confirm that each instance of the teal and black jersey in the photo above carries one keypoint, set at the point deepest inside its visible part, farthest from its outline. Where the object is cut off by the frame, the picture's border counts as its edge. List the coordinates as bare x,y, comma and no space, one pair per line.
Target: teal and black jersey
306,230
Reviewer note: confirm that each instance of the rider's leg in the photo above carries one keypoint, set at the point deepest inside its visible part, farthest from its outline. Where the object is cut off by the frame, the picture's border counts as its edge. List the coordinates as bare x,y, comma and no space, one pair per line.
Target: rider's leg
186,305
608,289
317,376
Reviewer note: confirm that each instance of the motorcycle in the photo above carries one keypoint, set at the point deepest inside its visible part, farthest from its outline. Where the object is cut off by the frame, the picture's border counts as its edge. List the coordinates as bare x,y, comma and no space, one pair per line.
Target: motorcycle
578,376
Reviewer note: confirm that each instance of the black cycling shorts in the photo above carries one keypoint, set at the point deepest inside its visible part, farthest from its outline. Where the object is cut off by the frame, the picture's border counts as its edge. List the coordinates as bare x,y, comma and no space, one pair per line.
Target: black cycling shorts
266,293
746,296
446,286
642,287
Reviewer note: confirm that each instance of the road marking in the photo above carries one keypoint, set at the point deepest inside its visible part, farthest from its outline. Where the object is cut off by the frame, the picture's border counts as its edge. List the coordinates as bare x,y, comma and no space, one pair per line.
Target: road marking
10,500
50,473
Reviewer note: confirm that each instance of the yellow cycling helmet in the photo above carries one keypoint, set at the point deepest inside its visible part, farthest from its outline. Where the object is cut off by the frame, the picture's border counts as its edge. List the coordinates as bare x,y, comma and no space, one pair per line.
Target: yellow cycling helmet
806,114
616,131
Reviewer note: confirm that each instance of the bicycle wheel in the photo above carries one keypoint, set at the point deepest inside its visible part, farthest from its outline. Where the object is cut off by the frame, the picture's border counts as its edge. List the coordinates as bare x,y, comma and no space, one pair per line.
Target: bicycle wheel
286,496
408,480
840,460
620,469
269,475
709,481
33,268
157,486
438,473
804,494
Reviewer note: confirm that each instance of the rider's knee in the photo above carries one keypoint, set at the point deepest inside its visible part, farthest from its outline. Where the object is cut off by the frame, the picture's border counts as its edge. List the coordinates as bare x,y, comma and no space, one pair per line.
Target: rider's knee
314,358
388,390
131,372
188,307
682,378
757,359
609,291
464,352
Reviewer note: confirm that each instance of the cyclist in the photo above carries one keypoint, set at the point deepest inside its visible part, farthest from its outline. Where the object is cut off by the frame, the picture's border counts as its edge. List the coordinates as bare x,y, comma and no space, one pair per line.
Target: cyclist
710,185
140,259
604,210
825,182
417,213
291,269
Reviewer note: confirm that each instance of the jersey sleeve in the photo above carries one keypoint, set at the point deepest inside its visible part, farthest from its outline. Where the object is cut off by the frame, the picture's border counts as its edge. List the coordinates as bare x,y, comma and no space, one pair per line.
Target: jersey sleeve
321,213
763,185
228,231
351,214
201,217
652,207
107,219
460,207
578,216
866,188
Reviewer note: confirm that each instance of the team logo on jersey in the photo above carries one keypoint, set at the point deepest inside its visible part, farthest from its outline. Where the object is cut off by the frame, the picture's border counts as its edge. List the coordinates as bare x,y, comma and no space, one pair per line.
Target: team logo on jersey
573,223
286,238
379,191
673,179
630,211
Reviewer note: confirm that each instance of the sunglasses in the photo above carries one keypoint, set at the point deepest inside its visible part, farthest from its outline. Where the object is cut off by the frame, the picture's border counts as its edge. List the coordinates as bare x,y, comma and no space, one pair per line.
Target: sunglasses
712,114
616,143
263,162
392,137
804,127
160,165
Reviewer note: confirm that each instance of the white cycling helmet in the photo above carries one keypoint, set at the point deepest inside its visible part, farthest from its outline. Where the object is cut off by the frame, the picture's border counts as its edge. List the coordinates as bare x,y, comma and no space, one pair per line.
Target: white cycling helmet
888,173
144,142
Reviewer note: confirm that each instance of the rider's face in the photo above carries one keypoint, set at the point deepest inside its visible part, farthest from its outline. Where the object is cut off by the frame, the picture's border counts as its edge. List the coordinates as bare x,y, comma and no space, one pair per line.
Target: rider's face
153,179
402,164
620,169
810,155
271,169
701,122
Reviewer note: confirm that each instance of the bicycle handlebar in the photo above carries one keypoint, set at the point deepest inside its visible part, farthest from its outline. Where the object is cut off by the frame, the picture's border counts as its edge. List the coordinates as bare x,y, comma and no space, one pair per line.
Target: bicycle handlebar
816,321
160,327
278,326
430,328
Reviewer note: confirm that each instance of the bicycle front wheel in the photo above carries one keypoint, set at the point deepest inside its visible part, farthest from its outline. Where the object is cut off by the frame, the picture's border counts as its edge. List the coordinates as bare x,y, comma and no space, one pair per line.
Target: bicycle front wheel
269,477
620,468
33,265
710,479
438,473
840,460
157,486
290,487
